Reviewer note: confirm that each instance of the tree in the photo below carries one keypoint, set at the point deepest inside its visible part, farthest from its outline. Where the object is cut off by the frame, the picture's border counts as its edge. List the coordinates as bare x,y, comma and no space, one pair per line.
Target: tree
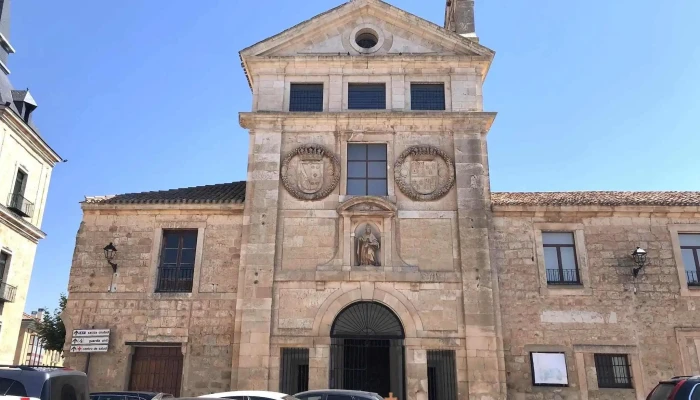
51,330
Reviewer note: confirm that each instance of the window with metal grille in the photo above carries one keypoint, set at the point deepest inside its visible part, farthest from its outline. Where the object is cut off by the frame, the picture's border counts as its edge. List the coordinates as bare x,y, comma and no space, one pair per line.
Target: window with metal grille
690,246
560,258
306,97
294,370
367,169
613,371
176,270
366,96
442,375
427,96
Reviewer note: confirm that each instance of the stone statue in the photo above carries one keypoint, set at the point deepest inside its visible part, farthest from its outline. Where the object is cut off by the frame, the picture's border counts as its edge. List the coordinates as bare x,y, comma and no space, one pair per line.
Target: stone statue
368,248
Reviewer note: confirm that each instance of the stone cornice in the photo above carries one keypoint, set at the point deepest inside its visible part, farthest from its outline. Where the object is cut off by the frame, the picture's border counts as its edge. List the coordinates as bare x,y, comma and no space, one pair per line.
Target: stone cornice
368,121
19,225
212,208
29,136
597,211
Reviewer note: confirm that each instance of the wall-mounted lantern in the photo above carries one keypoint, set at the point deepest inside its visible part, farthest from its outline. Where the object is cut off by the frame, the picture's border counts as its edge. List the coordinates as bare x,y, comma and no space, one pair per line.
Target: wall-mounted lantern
110,252
640,258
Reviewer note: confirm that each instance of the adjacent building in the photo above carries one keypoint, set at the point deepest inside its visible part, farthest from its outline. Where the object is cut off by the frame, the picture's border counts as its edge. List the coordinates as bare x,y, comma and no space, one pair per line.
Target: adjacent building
30,348
366,250
26,162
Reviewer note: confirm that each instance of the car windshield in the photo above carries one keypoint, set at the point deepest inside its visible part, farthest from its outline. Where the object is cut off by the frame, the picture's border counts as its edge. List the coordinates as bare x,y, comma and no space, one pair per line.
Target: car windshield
662,391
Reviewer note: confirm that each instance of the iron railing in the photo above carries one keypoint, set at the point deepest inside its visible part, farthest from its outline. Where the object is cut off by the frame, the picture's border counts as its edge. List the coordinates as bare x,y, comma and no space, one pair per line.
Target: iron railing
563,277
613,371
177,280
7,292
294,370
19,204
692,277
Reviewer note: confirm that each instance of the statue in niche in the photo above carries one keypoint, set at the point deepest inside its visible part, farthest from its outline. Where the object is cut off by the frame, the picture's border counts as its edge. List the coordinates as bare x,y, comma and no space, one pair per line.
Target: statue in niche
367,246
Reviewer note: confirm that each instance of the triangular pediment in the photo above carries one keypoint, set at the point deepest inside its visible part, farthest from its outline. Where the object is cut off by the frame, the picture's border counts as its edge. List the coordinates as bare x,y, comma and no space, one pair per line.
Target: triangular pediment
336,31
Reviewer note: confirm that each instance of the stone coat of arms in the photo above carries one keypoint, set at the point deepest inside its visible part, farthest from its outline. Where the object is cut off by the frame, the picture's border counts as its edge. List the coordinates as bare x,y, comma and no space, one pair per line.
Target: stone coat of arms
310,172
424,173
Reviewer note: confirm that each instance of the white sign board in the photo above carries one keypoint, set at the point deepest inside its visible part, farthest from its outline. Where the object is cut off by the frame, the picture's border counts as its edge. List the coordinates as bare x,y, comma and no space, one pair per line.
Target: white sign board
549,369
90,340
90,332
97,348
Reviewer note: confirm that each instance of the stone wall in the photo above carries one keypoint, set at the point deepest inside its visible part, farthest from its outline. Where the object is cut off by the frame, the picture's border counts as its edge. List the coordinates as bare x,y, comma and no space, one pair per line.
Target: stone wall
648,318
201,322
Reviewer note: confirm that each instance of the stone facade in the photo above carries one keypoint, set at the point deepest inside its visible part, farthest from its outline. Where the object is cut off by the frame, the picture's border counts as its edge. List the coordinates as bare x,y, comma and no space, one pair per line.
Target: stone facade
460,268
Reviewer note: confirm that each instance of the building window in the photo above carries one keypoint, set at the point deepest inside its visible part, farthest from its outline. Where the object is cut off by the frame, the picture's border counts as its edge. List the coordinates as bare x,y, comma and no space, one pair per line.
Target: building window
442,375
294,370
428,96
613,371
176,270
366,96
690,246
367,169
560,258
4,265
20,183
306,97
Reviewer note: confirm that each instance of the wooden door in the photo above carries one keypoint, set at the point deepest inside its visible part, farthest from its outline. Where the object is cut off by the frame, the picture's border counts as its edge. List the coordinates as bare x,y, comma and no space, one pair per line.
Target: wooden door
156,369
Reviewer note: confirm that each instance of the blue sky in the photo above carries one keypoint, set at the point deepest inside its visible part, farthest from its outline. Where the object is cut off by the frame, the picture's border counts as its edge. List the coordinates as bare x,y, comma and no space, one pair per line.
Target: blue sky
144,94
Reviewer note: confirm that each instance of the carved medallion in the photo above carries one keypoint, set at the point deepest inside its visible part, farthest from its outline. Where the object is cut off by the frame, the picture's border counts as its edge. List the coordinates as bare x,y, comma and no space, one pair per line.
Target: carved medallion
424,173
310,172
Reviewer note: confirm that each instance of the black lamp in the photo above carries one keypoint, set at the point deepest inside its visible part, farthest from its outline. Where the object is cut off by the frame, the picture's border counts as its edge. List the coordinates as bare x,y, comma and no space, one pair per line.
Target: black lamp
110,252
640,258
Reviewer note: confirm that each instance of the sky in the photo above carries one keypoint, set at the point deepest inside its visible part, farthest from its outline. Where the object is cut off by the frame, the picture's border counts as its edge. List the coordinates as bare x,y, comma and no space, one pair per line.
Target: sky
143,95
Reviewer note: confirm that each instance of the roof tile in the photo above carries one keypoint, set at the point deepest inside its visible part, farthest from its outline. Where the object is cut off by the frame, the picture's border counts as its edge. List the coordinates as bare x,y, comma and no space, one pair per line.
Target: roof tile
599,198
233,192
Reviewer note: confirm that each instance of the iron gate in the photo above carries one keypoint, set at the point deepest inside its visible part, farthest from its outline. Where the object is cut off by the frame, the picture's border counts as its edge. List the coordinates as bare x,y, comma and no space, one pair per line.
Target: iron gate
294,370
442,378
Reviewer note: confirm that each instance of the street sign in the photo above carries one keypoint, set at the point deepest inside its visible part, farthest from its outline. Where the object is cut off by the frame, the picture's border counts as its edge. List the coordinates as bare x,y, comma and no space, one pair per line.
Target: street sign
90,332
90,340
97,348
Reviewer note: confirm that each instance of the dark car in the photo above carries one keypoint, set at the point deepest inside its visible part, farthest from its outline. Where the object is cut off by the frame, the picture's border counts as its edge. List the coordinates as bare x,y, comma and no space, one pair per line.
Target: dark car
677,388
45,383
136,395
337,394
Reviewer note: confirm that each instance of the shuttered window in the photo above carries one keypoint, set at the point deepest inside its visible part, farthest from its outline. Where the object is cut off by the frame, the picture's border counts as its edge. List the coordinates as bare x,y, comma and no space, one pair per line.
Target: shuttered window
427,96
306,97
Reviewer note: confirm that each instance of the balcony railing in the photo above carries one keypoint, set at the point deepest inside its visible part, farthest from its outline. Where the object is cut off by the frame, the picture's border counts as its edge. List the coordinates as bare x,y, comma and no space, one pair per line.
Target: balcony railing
7,292
563,277
175,280
692,277
20,205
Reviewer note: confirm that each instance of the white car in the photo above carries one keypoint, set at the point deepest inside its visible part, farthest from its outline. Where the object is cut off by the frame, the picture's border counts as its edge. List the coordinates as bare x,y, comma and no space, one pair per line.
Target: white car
250,395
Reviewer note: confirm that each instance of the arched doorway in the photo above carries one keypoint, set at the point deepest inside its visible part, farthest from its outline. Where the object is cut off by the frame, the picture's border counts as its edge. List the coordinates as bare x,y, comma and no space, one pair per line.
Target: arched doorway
367,350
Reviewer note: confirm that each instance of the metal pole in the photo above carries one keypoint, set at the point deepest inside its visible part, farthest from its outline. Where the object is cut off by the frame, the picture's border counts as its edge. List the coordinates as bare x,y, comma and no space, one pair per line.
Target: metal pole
87,364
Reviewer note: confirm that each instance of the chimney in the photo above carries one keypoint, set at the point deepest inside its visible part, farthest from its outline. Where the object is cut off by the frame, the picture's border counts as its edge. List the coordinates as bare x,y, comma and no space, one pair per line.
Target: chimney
459,17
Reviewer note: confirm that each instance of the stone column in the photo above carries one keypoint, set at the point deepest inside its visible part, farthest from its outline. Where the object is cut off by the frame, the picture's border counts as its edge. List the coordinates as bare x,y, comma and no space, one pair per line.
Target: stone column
486,377
251,349
416,374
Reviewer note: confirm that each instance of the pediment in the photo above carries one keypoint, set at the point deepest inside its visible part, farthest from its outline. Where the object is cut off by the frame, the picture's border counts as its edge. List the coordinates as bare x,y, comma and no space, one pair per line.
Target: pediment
367,205
335,32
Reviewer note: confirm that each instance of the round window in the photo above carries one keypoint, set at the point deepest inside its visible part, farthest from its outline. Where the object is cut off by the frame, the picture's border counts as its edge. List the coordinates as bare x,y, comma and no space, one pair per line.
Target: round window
366,39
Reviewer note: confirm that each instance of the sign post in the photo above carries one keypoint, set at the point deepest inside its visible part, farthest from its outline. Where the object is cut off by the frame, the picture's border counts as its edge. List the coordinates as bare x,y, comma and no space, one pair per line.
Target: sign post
89,341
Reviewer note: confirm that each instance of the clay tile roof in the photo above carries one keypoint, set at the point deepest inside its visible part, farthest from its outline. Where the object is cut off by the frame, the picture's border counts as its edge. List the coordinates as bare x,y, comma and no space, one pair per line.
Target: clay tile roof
26,316
596,198
233,192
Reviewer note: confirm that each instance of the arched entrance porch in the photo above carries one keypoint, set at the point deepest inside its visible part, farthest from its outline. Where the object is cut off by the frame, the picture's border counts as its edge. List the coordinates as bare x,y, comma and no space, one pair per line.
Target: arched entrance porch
367,350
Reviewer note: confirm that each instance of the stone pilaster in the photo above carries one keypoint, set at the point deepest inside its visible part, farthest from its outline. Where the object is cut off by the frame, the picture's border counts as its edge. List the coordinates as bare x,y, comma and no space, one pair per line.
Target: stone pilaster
251,355
416,374
485,377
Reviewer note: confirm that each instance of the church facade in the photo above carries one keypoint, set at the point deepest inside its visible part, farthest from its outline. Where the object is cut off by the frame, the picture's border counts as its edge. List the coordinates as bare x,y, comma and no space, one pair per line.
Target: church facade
365,250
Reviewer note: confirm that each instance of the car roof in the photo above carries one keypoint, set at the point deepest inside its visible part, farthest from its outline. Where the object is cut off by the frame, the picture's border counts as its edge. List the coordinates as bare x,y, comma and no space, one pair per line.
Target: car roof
338,391
248,393
125,392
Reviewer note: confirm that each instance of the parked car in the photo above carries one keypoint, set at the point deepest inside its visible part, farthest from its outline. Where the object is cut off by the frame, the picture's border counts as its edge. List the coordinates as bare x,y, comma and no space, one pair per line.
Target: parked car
250,395
39,383
129,396
677,388
337,394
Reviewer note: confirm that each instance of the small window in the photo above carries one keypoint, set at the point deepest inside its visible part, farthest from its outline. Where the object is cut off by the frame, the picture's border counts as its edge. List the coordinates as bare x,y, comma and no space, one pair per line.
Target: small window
176,270
4,265
306,97
560,258
690,246
366,39
613,371
310,397
20,183
11,387
367,169
442,375
364,96
426,96
294,370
